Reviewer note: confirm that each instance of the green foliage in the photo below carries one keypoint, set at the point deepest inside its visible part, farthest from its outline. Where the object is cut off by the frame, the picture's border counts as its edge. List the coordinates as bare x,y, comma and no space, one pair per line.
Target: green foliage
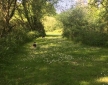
27,13
34,11
15,39
94,38
73,21
49,26
83,24
102,6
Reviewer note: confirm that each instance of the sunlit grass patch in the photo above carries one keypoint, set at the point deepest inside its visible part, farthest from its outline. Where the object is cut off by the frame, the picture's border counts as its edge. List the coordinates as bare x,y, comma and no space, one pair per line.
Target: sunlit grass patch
56,32
102,58
42,84
103,79
84,83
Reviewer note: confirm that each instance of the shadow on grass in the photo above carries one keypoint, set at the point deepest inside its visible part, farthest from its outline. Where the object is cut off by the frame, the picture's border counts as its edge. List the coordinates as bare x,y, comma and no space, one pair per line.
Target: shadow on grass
57,61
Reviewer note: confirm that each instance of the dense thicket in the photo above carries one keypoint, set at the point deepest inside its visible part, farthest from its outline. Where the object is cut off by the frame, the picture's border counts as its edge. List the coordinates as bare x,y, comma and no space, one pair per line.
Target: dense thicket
87,24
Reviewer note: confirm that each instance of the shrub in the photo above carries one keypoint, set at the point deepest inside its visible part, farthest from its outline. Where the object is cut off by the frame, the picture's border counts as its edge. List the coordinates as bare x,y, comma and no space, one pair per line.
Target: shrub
16,38
94,38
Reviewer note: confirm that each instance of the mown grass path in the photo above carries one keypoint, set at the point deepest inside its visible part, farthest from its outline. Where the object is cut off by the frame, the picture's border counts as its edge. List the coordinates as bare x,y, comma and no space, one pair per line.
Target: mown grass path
56,61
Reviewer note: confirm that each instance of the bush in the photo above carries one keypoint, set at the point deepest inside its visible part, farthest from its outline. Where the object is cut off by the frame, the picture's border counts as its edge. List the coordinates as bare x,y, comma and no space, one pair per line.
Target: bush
94,38
90,37
13,40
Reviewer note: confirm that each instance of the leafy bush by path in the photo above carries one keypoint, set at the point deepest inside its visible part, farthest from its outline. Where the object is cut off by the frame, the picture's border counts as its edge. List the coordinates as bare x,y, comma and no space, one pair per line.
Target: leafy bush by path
92,38
95,38
15,39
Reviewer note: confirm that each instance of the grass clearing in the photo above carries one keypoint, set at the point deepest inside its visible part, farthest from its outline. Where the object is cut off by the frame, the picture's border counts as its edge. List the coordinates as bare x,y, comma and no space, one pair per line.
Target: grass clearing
55,61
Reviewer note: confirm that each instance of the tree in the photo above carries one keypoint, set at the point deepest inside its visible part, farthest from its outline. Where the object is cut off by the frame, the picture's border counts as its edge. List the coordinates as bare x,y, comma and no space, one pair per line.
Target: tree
33,11
102,6
7,9
30,13
86,25
73,21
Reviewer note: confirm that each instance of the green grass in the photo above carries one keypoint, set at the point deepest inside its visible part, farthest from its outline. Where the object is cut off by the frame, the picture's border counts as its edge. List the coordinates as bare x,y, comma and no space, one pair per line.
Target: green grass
55,61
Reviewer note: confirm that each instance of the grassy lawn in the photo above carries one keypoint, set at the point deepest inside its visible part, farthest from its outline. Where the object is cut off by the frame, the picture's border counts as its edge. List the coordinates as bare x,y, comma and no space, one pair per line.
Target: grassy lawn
55,61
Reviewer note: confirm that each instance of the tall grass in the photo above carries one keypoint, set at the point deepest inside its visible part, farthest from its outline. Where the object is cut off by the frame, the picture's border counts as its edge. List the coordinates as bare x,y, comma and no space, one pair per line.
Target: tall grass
56,61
